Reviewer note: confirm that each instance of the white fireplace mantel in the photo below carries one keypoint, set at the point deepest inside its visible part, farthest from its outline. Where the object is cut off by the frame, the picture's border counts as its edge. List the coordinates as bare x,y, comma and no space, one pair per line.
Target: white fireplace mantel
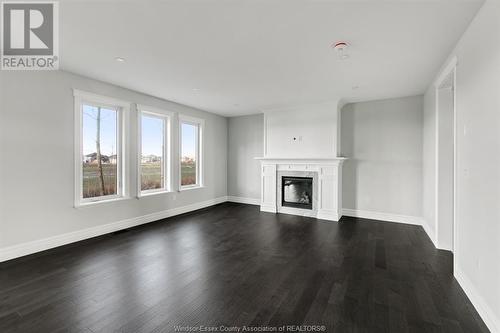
327,171
313,160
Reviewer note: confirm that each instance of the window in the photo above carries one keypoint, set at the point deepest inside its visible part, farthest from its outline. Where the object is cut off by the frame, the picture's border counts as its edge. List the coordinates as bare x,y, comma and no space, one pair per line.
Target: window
154,166
98,148
190,152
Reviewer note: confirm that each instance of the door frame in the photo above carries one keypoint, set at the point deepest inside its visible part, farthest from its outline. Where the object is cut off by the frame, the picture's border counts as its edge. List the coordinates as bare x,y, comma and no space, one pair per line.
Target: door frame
450,69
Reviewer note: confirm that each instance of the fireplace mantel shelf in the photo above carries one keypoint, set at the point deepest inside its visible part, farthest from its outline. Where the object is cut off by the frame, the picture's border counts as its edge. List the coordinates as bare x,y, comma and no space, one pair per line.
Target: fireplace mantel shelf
301,159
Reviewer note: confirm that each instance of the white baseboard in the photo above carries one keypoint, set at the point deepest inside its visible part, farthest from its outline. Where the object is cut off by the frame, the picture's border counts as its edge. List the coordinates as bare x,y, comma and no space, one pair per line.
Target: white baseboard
268,208
430,232
485,312
328,214
248,201
24,249
365,214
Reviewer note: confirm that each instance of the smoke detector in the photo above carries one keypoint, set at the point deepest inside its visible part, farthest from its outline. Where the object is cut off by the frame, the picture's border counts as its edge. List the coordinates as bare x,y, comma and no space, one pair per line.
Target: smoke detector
341,49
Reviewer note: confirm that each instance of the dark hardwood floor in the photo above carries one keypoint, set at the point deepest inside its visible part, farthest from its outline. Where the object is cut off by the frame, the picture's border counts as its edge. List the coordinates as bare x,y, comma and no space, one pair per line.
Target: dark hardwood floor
233,265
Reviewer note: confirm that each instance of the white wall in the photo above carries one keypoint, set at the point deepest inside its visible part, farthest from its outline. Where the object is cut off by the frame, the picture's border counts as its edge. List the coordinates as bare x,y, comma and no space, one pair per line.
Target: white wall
383,143
245,142
477,227
314,128
36,145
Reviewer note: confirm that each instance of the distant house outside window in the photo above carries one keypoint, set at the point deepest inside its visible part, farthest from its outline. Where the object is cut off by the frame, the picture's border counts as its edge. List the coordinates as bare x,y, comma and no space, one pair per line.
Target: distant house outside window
154,152
100,142
99,154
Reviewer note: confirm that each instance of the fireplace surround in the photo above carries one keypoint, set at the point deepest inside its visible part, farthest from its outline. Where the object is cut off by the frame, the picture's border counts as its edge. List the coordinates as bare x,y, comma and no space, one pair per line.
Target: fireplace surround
322,189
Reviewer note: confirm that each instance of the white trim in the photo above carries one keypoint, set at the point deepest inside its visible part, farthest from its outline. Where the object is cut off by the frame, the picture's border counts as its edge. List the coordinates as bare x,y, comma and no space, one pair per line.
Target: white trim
436,165
268,208
101,99
190,187
329,214
166,117
450,68
243,200
455,170
24,249
485,312
20,250
200,123
297,211
154,110
429,231
109,199
310,163
149,193
77,151
189,119
388,217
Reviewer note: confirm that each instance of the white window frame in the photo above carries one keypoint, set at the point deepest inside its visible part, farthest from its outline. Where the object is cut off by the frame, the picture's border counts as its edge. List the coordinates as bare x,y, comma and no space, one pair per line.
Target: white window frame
166,116
122,108
199,153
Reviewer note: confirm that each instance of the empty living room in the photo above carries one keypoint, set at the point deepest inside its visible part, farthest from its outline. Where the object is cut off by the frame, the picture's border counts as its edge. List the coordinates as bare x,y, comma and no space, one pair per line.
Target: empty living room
250,166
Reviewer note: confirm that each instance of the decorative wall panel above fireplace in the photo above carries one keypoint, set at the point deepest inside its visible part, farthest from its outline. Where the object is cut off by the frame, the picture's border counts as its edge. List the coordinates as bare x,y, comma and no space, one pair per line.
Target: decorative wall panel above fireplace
307,187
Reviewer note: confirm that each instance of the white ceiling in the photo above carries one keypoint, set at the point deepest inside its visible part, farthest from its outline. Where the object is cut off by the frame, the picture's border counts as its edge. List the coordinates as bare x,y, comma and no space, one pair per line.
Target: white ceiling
241,57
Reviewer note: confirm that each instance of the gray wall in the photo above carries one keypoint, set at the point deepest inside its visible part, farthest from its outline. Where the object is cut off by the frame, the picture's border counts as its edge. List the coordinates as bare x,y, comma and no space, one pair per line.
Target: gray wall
383,141
245,142
36,145
313,125
477,227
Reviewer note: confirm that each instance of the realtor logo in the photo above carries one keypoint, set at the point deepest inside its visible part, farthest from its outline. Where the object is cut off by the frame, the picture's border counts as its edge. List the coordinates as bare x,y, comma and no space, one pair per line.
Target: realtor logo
29,36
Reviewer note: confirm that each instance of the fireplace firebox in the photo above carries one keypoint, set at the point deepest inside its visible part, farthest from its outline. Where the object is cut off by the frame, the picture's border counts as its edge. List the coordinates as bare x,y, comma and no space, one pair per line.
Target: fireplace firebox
297,192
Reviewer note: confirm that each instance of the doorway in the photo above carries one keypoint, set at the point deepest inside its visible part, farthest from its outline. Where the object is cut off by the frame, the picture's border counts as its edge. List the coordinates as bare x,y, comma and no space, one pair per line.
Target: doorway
445,160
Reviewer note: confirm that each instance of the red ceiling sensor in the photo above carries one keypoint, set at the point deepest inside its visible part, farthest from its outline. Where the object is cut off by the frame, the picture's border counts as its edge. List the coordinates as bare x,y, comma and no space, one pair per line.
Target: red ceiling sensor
341,47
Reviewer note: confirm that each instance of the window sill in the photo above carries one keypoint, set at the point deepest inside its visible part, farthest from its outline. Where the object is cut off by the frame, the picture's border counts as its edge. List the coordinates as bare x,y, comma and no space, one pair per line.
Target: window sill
192,187
98,202
153,193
